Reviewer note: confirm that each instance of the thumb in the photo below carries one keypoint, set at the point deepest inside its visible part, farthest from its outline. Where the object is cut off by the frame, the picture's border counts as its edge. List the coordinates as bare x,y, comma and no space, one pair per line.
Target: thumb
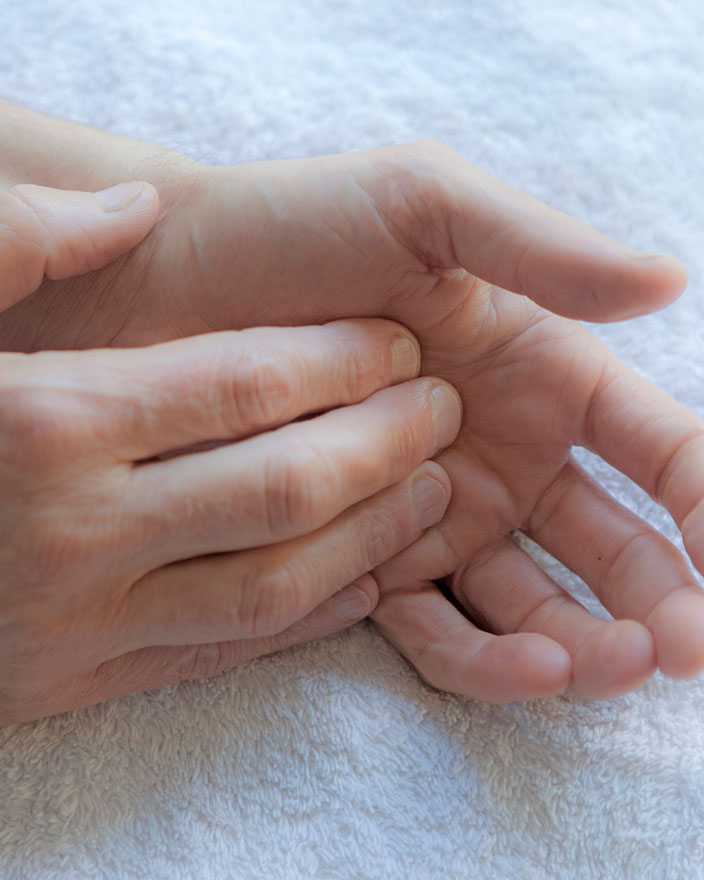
462,218
58,233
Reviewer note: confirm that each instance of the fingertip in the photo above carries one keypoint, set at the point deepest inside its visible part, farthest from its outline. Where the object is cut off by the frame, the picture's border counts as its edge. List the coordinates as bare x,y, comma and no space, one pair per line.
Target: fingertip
523,666
147,204
446,407
130,208
357,600
90,230
677,625
119,197
619,285
405,356
435,470
343,609
616,657
430,494
544,664
663,277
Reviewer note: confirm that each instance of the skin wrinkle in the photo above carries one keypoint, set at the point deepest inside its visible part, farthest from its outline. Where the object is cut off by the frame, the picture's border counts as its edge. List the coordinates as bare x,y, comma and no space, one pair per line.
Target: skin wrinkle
539,519
384,214
697,507
606,573
561,602
460,588
664,478
602,384
432,645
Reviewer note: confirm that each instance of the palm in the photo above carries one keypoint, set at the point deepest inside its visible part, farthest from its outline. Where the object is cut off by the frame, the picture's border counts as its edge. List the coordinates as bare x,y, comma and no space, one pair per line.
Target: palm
293,243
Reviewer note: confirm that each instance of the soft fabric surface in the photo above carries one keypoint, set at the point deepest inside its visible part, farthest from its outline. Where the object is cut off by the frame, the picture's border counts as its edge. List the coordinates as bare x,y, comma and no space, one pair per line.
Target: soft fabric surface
335,760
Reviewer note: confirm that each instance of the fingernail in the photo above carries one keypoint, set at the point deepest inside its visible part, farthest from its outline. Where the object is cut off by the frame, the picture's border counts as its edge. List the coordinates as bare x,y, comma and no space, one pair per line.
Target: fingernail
447,415
352,603
405,358
119,197
430,501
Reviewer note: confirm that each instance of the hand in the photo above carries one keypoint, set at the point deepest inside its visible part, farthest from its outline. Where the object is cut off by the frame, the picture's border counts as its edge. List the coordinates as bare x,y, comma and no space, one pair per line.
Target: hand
128,564
409,233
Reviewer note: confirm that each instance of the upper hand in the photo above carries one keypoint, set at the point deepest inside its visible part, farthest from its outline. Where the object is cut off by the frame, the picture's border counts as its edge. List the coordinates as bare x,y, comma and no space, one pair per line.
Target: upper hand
127,564
417,235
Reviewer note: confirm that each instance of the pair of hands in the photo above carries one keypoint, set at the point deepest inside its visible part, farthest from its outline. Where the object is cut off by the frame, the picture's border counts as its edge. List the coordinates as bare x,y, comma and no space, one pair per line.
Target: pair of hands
415,235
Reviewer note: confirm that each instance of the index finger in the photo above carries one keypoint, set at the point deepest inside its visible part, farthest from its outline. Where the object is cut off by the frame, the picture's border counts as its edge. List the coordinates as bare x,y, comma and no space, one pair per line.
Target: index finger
224,386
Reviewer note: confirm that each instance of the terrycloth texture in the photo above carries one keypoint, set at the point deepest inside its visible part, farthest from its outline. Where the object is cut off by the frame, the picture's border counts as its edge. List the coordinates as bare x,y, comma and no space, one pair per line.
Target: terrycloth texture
335,760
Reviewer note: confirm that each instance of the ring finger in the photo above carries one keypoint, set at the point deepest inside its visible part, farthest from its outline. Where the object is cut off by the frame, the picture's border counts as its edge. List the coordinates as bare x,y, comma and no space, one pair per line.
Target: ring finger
260,592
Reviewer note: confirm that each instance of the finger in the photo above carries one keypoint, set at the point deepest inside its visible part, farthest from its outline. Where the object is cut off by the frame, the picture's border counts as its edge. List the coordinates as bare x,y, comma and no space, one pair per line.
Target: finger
151,668
228,385
505,591
60,233
263,591
289,482
509,592
655,441
631,567
514,241
451,654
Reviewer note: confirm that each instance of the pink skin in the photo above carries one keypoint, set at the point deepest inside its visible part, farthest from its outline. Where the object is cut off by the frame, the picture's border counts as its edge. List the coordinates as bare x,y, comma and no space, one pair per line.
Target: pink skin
126,565
415,234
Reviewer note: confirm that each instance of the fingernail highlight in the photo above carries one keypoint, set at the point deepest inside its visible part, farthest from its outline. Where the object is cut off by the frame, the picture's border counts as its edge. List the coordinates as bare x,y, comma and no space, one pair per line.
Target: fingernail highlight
430,501
405,358
120,196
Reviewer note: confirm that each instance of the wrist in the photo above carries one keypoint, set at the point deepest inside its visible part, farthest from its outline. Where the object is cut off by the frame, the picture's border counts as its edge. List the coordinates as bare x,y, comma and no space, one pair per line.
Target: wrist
43,150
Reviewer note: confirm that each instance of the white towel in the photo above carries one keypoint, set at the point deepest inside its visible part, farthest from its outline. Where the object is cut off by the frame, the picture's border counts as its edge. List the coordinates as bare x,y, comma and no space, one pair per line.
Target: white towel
334,759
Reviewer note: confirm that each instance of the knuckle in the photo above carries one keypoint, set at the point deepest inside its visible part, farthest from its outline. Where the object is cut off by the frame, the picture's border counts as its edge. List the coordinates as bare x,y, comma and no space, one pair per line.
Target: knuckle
263,392
299,485
271,599
45,420
384,532
49,554
34,425
52,550
59,544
